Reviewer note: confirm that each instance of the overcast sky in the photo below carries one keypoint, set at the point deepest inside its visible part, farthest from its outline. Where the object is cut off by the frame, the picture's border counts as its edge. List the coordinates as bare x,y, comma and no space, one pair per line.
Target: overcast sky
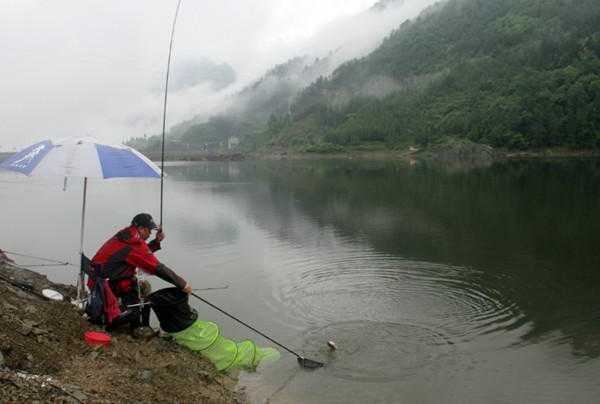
91,67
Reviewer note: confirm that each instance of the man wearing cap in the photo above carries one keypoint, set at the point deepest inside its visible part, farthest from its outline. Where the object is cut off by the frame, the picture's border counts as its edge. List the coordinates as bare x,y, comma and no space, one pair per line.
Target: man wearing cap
117,261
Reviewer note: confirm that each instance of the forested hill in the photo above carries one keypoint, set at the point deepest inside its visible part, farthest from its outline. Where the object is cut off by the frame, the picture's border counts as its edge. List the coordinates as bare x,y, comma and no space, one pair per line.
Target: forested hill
511,73
247,113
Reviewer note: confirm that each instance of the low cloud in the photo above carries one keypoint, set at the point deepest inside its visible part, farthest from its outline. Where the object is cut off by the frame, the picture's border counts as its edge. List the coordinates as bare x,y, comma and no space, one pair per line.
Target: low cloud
96,68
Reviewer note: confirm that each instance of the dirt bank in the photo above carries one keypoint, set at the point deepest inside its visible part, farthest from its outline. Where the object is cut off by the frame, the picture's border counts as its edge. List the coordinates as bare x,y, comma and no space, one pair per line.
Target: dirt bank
43,356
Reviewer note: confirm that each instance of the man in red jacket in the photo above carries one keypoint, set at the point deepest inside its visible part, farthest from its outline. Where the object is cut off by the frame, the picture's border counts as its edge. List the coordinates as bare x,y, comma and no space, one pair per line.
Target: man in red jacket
117,261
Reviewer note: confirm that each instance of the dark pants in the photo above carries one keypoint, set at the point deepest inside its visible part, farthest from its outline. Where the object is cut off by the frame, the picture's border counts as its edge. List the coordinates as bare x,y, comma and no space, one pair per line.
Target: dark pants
134,316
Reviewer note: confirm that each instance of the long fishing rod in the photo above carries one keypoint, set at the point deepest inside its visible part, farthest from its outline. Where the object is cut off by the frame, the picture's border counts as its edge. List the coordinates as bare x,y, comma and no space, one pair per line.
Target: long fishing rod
162,153
308,363
304,362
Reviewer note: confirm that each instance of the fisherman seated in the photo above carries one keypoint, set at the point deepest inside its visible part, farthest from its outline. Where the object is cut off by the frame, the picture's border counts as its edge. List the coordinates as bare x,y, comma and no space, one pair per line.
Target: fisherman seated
113,275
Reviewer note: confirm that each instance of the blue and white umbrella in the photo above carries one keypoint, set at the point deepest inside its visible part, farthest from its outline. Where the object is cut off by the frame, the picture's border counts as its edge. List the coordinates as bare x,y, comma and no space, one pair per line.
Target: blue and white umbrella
81,158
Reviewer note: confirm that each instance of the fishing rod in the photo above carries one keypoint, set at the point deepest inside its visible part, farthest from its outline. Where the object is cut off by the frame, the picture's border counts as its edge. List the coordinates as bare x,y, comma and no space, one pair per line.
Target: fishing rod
304,362
24,286
164,123
307,363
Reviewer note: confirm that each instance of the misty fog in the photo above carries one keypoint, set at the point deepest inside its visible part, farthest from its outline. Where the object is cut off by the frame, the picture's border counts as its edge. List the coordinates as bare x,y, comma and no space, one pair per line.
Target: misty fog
74,69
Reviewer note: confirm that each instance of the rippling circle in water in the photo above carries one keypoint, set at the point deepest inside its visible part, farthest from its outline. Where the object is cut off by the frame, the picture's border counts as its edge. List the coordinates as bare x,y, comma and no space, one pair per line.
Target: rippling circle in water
369,351
462,301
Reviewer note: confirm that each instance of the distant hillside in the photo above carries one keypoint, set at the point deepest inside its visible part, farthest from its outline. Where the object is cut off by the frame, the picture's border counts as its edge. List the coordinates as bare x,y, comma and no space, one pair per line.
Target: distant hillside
518,74
511,73
270,96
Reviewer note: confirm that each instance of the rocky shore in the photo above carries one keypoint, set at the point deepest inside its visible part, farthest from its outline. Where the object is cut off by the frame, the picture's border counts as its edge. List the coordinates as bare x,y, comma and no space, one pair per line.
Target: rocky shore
44,358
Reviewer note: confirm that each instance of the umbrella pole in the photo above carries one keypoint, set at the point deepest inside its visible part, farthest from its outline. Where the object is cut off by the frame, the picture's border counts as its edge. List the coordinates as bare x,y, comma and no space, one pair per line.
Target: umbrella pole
80,279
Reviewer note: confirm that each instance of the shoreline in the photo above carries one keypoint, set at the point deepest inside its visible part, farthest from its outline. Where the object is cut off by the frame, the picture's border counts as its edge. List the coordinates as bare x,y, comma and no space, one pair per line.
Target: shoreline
456,153
443,153
43,356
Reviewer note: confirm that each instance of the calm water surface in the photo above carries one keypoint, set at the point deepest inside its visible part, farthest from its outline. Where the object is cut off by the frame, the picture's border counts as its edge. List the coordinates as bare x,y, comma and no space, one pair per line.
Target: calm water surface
437,284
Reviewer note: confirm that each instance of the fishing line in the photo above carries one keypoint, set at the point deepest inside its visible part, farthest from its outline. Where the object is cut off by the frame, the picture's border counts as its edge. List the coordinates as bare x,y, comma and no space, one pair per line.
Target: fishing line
162,153
214,288
55,262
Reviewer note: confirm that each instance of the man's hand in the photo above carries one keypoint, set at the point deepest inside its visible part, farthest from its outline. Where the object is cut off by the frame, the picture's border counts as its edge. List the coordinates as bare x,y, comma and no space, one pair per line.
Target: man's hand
188,288
160,235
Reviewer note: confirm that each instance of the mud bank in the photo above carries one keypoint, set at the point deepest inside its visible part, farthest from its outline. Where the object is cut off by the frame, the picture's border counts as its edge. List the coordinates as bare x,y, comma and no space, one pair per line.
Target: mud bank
43,356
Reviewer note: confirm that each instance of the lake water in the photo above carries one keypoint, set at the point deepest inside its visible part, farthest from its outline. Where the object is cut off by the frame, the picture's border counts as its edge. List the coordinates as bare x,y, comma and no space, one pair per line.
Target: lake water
439,285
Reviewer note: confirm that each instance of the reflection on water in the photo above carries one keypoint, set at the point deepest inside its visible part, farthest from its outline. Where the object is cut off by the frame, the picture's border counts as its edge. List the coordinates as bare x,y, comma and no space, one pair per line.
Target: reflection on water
438,285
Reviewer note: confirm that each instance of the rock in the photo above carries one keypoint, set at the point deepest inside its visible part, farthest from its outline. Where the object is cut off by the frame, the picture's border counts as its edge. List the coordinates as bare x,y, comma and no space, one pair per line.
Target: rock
38,331
79,395
75,392
2,361
30,309
144,333
67,400
206,376
145,375
5,346
30,357
30,323
25,330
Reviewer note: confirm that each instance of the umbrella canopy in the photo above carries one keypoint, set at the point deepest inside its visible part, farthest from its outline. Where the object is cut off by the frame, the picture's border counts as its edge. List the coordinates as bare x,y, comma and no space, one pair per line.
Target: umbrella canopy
81,157
84,158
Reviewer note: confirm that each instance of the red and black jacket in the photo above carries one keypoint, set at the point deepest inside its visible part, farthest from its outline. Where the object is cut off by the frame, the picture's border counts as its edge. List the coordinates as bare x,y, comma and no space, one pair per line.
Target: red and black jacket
118,258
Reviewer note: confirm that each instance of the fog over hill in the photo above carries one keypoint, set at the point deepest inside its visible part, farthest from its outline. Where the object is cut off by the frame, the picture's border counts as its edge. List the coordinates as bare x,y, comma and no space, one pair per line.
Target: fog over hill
513,74
249,108
94,68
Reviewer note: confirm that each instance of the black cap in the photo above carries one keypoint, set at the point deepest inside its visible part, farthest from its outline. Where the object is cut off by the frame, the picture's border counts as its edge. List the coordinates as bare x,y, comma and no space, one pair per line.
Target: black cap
144,220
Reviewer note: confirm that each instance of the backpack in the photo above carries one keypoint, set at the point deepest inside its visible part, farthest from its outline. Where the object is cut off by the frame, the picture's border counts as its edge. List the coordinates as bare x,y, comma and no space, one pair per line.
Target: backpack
95,303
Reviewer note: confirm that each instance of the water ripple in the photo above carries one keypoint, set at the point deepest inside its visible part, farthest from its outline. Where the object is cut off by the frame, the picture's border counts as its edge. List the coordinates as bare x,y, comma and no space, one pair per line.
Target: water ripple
322,290
376,352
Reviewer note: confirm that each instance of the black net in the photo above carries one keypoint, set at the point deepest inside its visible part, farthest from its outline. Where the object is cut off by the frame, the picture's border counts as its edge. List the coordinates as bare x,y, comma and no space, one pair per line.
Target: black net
172,309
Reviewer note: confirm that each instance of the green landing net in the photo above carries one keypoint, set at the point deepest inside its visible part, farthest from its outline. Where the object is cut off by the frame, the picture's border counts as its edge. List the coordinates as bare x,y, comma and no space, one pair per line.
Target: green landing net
204,338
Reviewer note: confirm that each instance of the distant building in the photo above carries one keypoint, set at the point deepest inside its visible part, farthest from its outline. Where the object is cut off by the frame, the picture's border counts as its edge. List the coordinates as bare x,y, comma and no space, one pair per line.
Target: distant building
233,142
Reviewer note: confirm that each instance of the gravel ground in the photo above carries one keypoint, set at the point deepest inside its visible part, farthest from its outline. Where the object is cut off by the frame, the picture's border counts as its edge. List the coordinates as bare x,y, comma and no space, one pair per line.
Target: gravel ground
43,356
